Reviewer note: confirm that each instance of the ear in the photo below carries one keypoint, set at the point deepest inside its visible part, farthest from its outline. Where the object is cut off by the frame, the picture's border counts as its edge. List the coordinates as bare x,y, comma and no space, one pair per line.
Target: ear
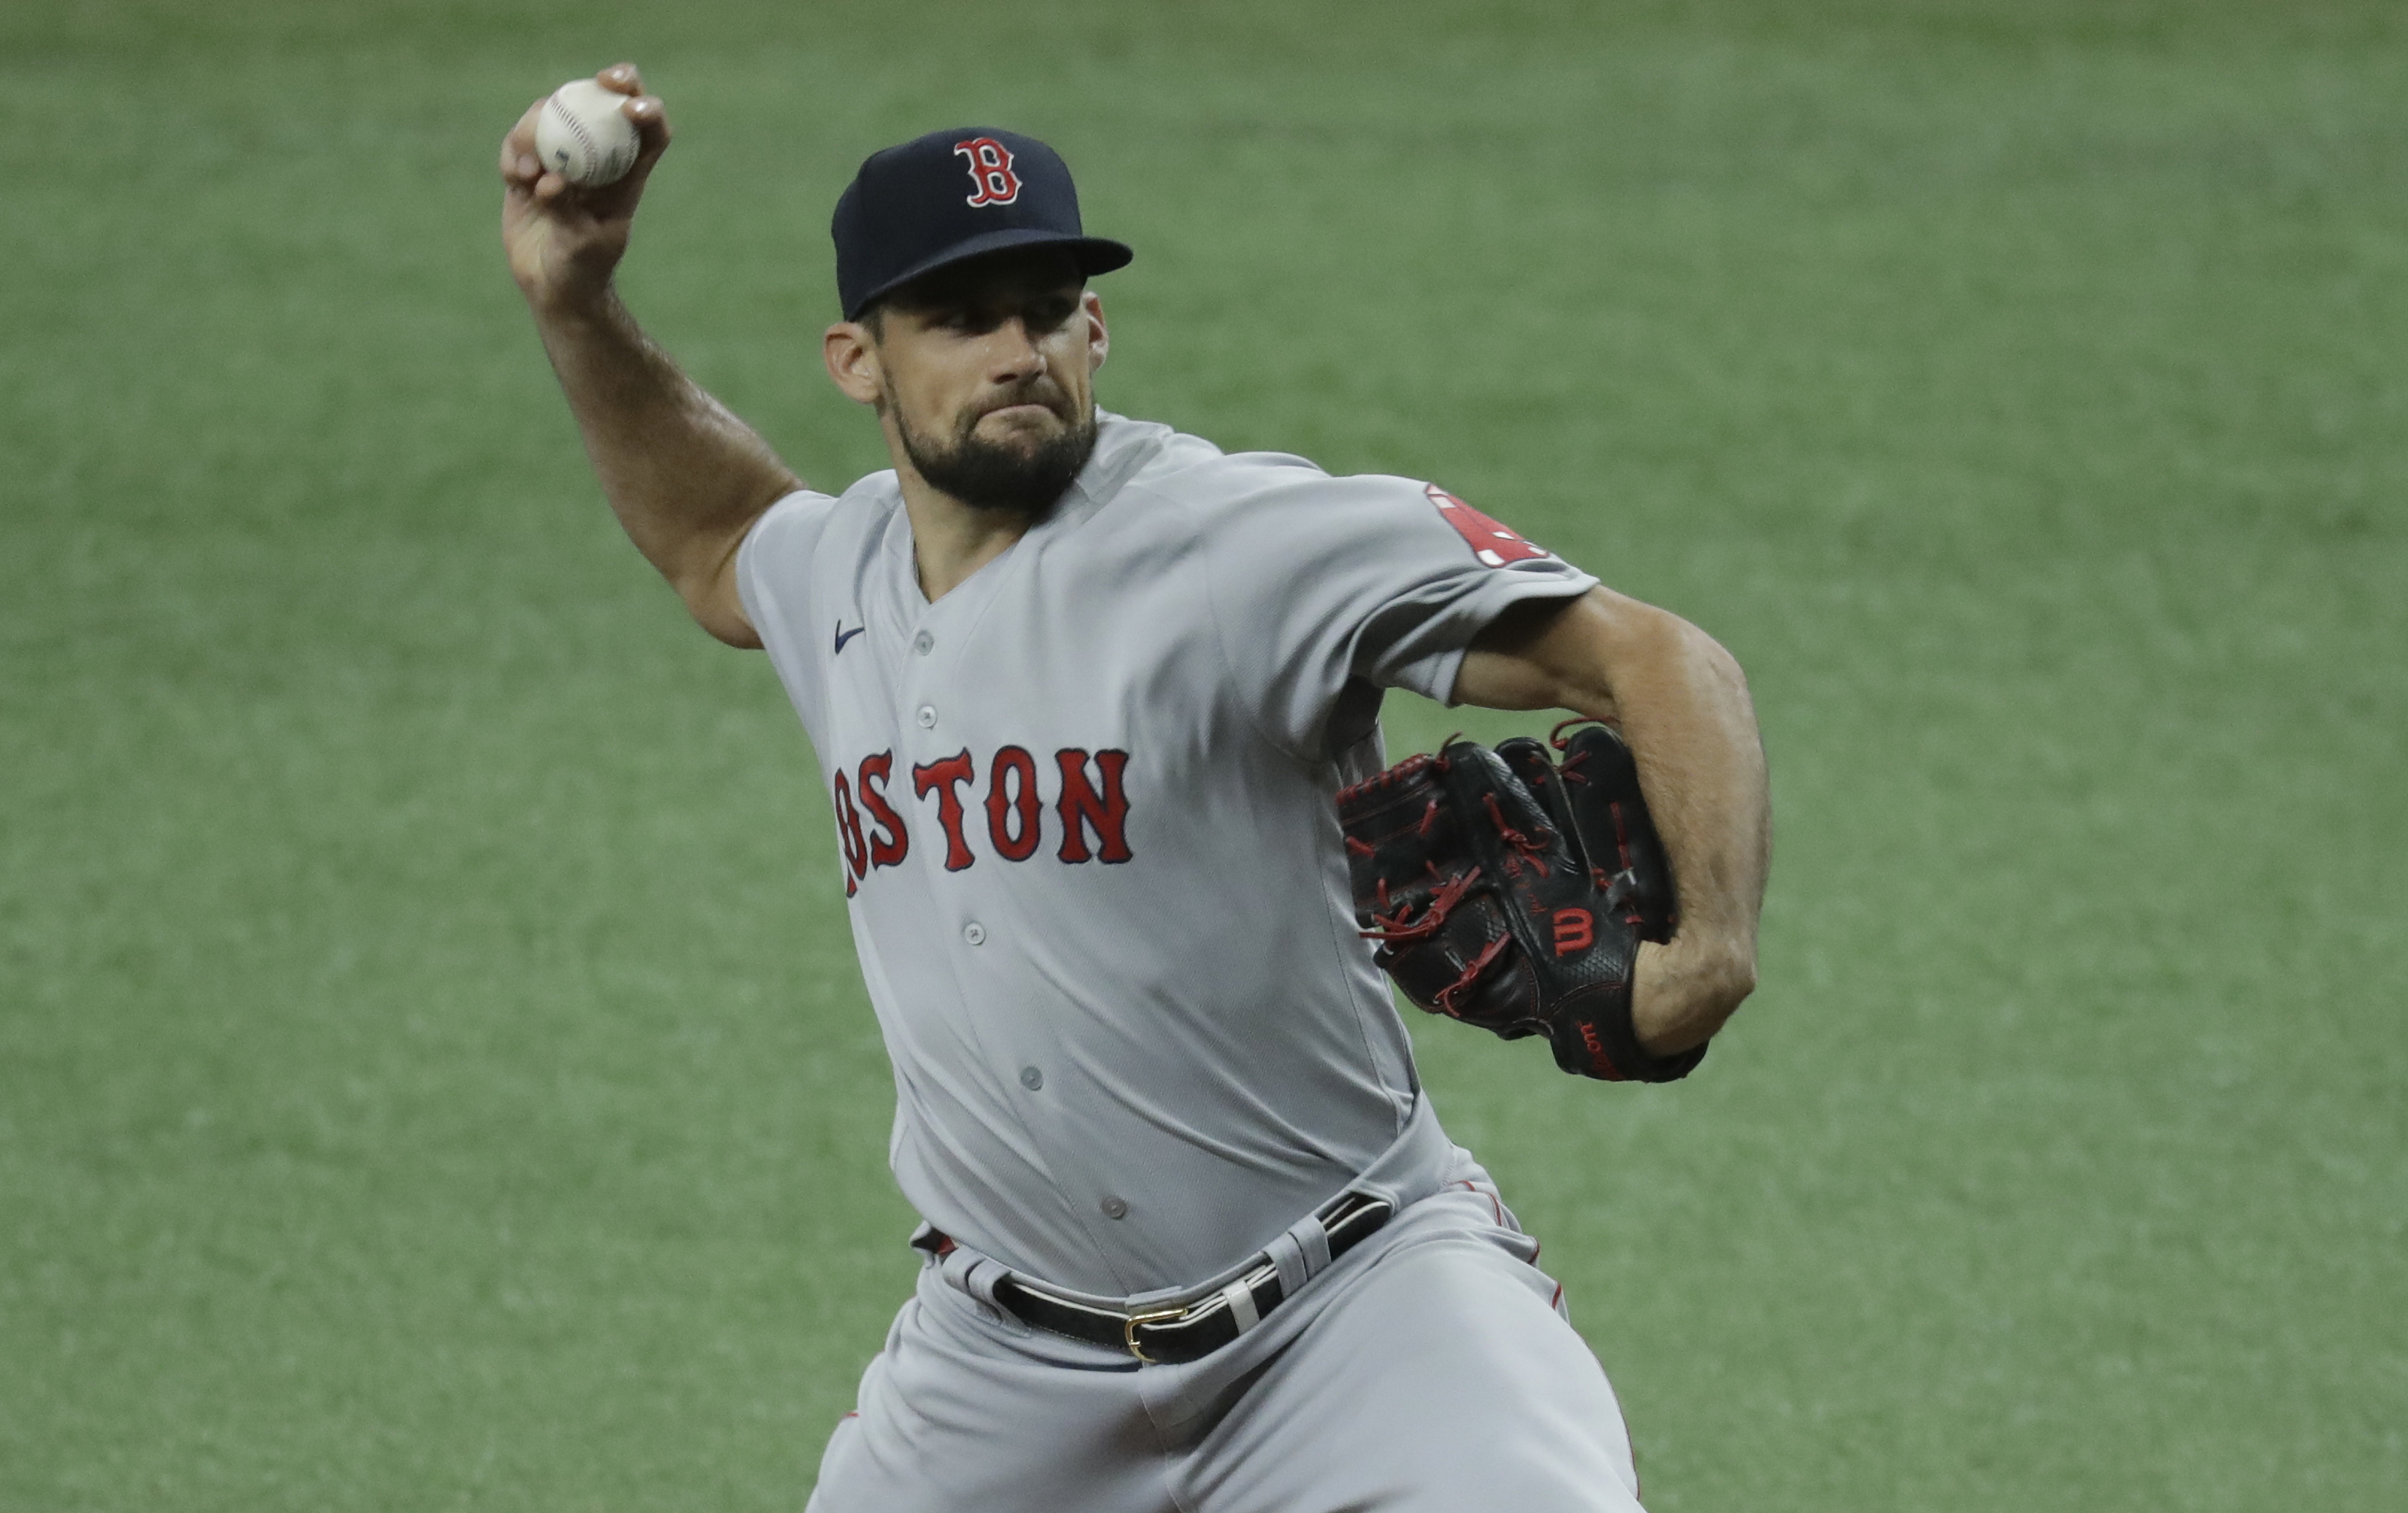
1099,341
852,362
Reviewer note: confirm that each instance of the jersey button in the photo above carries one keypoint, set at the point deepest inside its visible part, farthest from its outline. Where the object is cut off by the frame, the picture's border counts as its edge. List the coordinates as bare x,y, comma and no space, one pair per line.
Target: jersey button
1114,1207
1031,1078
923,643
974,933
927,717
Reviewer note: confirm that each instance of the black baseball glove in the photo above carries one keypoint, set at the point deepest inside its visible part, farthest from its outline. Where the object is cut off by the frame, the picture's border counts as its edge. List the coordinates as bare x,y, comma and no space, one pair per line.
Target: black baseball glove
1512,894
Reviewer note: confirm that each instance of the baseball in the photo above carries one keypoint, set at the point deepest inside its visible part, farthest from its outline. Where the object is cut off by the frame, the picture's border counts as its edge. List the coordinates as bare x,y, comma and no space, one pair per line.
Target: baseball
583,136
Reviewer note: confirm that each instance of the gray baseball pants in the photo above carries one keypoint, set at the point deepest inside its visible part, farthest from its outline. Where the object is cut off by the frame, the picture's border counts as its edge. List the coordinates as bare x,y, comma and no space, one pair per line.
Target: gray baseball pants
1428,1370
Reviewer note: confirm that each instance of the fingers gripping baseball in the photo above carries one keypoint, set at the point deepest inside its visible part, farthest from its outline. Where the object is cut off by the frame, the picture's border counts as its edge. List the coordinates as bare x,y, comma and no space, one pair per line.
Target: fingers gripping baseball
565,239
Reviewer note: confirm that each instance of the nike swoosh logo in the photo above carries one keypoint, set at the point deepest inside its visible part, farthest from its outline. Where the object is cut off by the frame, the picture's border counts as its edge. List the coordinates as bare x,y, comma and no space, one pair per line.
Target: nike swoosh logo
842,635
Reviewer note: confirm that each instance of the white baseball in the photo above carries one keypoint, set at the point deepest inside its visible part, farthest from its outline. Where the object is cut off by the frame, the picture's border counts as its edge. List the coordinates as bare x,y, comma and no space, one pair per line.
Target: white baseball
583,136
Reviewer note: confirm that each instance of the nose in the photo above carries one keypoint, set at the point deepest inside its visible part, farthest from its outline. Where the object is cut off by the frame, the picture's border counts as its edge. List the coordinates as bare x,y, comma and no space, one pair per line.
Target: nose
1015,356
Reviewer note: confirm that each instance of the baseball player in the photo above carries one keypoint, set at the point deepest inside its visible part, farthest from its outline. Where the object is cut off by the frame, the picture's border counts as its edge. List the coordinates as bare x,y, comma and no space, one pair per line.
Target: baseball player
1083,690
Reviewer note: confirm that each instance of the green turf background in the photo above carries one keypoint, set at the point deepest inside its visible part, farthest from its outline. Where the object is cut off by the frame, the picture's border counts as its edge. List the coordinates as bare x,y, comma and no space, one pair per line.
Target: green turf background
432,1073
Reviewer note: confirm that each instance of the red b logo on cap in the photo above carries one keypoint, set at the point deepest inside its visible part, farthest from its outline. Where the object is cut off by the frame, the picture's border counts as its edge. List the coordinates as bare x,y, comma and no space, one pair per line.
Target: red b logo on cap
990,170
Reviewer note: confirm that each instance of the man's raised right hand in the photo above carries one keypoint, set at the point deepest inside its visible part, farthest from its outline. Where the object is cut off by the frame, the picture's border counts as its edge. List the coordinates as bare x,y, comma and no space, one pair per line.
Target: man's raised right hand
563,240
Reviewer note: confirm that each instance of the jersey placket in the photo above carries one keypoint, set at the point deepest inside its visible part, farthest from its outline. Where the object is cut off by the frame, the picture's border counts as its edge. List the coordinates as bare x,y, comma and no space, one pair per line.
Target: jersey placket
950,725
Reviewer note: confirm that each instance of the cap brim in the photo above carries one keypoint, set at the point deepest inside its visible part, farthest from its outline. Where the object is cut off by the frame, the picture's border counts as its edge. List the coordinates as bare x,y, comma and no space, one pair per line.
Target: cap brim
1096,254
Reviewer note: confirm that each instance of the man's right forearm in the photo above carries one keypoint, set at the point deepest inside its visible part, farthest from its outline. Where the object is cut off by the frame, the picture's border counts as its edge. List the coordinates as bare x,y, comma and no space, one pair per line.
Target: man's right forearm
685,476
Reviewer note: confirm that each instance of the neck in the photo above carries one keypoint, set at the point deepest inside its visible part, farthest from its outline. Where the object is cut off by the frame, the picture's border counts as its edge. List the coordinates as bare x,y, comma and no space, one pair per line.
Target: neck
951,540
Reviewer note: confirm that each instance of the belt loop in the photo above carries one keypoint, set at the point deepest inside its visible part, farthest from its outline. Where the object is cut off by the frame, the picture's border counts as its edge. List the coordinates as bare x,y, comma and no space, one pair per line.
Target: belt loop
973,1274
1241,1299
1311,1237
1287,1254
983,1279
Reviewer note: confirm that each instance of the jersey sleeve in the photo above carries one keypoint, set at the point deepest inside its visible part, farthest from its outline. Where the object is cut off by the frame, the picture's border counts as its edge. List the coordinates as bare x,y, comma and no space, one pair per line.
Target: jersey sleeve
773,578
1322,584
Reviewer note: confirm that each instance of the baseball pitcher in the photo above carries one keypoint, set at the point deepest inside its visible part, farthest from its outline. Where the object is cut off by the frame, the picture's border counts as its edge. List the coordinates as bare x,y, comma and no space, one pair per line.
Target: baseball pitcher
1096,708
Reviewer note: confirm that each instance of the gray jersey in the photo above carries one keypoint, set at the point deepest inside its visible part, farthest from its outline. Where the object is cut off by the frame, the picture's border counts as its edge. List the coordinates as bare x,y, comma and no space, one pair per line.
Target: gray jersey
1083,810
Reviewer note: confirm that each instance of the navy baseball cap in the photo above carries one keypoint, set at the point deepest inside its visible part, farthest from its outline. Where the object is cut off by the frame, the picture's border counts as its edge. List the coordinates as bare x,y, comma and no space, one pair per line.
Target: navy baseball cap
947,196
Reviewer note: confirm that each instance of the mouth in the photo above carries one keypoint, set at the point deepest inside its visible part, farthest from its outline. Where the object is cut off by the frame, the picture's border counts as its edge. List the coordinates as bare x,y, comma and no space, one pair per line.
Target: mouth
1021,414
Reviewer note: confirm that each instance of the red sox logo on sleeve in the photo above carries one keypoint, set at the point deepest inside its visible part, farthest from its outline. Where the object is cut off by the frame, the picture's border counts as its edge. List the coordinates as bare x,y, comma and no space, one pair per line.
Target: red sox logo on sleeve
1090,808
991,172
1490,542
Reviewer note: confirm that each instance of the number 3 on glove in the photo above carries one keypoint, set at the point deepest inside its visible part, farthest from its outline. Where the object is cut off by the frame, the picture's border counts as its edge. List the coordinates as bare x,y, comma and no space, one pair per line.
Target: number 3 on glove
1512,893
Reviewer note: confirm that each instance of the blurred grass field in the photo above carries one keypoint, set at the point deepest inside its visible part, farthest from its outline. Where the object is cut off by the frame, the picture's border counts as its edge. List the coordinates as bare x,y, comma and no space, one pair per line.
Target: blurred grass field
433,1070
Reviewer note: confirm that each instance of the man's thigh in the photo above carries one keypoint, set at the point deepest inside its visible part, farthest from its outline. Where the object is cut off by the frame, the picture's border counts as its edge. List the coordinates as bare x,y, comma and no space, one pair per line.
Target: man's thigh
1441,1380
962,1410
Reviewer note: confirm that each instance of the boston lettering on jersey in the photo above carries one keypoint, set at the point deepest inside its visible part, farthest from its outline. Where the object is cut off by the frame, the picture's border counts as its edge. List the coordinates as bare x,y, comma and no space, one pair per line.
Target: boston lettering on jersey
1090,805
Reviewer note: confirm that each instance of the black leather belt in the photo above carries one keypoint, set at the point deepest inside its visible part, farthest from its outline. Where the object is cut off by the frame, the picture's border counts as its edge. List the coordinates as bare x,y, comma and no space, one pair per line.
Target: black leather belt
1173,1336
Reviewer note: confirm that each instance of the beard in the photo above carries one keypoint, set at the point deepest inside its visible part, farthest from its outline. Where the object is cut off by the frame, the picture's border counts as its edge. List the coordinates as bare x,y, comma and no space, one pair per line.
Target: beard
1020,478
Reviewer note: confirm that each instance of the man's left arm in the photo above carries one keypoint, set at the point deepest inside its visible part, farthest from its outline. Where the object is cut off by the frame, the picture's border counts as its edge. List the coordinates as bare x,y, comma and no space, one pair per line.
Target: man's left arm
1683,706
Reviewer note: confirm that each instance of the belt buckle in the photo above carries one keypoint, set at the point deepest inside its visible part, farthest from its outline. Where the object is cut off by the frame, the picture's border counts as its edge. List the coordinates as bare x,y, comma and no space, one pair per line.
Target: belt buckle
1153,1315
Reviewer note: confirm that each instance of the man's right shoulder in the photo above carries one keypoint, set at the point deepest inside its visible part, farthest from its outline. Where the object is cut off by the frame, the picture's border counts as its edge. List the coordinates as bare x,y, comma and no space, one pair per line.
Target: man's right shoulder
807,520
796,545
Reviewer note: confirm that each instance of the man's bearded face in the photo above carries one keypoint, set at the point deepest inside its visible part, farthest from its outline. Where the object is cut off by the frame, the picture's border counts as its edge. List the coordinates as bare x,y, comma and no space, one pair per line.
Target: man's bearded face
1024,471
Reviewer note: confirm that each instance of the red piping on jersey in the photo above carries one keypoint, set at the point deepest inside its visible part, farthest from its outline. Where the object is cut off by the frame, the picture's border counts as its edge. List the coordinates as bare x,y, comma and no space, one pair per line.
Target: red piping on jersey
1497,1204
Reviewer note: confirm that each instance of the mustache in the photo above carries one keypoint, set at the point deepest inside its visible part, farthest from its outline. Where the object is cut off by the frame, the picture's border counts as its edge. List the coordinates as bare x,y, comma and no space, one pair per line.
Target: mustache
1040,389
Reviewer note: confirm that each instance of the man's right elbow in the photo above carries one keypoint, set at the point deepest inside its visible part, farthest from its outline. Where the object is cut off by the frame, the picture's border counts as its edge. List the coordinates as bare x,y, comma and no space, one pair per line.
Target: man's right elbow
726,622
710,597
